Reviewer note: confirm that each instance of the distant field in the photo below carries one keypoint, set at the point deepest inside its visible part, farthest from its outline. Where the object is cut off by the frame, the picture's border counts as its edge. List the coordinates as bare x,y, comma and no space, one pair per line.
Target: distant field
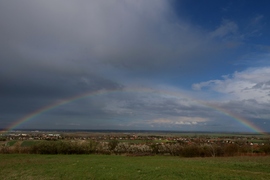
23,166
28,143
10,143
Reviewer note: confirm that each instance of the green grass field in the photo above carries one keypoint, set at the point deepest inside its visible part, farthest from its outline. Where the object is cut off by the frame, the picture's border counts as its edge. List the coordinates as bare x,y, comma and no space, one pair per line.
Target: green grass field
23,166
11,143
28,143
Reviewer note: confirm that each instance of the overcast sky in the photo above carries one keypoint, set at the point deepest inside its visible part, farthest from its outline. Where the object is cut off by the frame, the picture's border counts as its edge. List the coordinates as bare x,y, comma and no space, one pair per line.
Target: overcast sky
151,64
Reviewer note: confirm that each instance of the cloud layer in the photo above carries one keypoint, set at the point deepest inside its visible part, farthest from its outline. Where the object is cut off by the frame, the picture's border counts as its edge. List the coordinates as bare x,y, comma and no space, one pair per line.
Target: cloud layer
251,84
53,50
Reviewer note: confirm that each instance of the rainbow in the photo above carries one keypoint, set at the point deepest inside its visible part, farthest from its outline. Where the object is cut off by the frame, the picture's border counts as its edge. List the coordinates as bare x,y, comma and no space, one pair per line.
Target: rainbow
237,118
54,105
49,107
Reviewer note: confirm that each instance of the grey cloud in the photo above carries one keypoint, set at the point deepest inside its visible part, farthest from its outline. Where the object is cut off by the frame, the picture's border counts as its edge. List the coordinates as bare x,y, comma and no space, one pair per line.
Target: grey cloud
148,106
52,50
53,85
226,29
138,36
250,109
262,85
245,85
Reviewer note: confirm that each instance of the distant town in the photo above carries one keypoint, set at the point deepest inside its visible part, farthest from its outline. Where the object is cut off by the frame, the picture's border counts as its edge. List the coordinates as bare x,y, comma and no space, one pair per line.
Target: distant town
145,137
135,143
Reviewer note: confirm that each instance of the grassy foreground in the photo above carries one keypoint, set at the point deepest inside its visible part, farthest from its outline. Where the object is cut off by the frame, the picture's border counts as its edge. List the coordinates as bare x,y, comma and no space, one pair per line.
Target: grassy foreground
23,166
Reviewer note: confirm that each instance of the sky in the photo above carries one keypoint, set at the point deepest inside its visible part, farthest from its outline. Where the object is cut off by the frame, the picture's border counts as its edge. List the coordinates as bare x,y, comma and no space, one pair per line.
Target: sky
181,65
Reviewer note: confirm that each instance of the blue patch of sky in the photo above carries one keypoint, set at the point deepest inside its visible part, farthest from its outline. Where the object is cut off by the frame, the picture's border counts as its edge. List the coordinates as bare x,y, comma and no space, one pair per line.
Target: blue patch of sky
210,13
251,18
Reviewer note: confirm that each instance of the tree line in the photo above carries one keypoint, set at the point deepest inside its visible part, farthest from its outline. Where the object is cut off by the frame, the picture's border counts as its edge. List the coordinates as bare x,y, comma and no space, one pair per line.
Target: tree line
130,149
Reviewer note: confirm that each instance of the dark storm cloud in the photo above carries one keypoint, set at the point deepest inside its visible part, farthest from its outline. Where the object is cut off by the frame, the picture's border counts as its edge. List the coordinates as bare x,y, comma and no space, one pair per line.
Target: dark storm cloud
54,85
141,37
53,50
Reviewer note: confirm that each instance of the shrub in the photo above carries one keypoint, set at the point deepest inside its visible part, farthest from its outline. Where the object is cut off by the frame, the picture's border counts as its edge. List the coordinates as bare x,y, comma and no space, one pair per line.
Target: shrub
113,144
191,151
4,150
231,149
265,148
